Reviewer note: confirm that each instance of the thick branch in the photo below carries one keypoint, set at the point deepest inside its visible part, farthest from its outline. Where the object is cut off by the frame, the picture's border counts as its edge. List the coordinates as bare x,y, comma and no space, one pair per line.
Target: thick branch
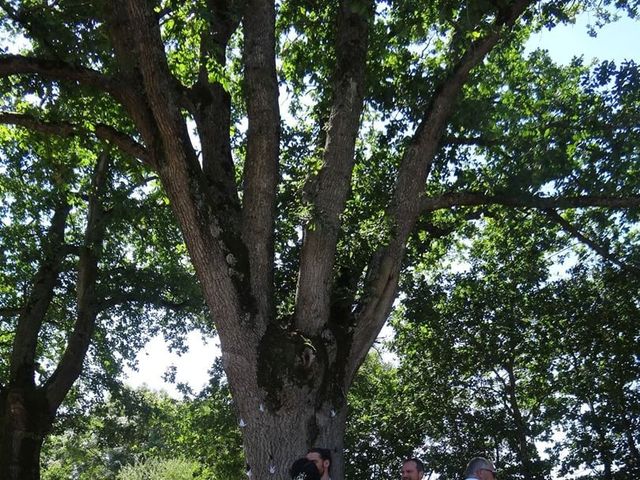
334,179
32,315
210,104
66,129
145,298
70,365
222,274
261,163
416,164
10,311
59,70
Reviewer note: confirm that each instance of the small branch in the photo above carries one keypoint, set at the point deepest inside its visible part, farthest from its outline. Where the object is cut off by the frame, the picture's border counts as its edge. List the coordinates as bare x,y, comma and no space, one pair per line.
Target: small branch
596,247
479,141
459,199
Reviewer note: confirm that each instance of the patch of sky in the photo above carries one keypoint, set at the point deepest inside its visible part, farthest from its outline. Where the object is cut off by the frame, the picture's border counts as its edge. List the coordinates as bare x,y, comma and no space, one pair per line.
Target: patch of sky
617,41
12,43
191,368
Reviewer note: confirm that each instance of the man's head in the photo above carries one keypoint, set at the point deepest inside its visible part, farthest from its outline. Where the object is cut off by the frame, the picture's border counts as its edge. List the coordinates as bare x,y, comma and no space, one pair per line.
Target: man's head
322,458
412,469
303,469
480,468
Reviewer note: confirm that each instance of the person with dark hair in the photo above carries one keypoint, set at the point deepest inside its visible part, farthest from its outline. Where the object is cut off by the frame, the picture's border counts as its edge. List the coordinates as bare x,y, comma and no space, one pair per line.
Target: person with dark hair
479,468
412,469
322,458
303,469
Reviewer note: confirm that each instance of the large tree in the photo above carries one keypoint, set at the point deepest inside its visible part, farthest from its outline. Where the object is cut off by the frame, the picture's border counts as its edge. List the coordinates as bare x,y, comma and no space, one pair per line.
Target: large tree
298,226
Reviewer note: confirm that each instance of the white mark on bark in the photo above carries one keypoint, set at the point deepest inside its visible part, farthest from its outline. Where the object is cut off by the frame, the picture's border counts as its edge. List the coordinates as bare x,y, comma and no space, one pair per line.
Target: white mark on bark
242,423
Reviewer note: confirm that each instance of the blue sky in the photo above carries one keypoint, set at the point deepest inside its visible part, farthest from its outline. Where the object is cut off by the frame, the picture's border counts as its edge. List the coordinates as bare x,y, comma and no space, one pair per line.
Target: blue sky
617,41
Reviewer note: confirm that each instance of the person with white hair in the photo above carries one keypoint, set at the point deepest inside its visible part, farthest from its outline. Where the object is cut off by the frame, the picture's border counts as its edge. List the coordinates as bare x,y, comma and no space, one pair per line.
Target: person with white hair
479,468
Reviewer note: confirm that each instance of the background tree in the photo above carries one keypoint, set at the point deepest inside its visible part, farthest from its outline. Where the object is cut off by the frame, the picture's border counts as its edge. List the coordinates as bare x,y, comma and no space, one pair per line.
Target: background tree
76,245
383,426
136,426
598,373
402,116
502,357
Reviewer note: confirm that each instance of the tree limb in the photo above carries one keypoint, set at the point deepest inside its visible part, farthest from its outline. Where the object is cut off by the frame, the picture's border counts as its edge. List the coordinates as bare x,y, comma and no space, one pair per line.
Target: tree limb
210,105
59,70
70,365
142,298
217,257
10,311
384,269
66,129
22,366
459,199
334,179
261,162
596,247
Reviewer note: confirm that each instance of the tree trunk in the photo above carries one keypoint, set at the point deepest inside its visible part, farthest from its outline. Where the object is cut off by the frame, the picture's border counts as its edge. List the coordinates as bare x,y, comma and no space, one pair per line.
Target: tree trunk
272,440
289,396
25,422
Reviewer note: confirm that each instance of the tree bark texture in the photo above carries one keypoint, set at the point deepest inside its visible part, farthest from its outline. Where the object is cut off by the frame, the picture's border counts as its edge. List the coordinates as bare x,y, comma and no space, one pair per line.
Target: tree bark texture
26,419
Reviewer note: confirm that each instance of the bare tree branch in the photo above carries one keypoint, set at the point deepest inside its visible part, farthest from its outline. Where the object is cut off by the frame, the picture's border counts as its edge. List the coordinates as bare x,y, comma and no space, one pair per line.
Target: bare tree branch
66,129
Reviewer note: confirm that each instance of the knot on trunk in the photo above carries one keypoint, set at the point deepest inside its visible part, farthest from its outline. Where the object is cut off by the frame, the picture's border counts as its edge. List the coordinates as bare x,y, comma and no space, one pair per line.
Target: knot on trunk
287,361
